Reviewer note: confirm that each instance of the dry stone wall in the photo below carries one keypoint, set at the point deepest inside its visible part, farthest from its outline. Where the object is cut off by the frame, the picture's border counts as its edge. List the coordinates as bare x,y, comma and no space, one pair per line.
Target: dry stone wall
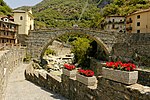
74,90
9,60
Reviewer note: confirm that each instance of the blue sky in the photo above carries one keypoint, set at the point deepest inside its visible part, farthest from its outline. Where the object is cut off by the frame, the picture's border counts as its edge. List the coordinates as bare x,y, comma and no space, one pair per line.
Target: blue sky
18,3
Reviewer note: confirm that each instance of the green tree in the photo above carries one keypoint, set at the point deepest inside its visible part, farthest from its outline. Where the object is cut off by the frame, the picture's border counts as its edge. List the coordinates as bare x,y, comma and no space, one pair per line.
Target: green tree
80,49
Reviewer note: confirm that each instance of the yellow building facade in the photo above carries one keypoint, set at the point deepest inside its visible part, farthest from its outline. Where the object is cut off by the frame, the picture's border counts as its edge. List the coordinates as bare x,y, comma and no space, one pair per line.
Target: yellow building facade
138,22
25,19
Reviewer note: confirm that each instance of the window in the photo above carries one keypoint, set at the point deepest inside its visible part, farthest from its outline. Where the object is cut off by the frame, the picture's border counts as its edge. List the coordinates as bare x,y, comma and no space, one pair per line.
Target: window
21,18
138,31
138,23
113,20
138,16
3,41
30,27
113,26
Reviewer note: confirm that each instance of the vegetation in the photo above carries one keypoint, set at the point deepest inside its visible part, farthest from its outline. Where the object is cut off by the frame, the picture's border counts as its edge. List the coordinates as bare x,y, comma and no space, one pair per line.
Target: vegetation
4,9
49,51
124,7
84,13
80,49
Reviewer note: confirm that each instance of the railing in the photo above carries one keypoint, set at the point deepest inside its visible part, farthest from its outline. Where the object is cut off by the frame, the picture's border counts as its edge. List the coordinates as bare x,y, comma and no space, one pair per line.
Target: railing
7,36
8,29
129,28
129,21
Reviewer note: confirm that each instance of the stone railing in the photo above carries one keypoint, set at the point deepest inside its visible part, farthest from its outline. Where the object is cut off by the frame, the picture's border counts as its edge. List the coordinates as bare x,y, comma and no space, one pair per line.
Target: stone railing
74,90
9,60
143,75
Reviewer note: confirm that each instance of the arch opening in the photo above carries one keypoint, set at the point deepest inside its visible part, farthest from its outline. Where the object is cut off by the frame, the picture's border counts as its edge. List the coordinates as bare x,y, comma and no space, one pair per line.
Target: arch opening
99,49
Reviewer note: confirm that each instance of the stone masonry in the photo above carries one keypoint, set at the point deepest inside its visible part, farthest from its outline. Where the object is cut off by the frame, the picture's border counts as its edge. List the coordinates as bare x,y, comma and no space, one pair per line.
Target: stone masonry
125,46
9,59
39,40
74,90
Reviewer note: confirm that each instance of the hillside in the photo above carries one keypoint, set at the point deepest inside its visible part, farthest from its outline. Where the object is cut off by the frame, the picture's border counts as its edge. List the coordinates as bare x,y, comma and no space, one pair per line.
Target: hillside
84,13
66,13
125,7
4,9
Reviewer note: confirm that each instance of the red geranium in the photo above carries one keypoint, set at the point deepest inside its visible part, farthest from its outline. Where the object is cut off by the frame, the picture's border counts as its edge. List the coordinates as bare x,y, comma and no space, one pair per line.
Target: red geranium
121,66
69,67
88,73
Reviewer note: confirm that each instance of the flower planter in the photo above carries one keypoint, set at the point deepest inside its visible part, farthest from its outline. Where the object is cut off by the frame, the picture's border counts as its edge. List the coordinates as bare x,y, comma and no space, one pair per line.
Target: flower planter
69,73
126,77
89,81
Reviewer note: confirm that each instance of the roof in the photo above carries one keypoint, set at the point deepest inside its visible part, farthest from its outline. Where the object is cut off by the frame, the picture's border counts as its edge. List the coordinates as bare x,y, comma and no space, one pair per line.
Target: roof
10,22
23,11
140,11
19,11
115,16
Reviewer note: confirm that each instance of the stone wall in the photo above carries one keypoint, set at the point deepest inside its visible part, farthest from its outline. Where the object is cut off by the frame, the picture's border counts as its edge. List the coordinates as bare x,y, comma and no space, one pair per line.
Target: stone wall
74,90
9,60
134,47
144,77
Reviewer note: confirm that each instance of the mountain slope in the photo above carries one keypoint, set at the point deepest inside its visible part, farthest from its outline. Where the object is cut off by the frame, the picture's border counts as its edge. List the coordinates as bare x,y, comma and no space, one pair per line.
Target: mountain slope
66,13
4,9
124,7
84,13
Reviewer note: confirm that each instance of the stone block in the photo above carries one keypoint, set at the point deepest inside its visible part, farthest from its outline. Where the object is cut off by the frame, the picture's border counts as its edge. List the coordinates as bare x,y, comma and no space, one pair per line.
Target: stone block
89,81
71,74
124,77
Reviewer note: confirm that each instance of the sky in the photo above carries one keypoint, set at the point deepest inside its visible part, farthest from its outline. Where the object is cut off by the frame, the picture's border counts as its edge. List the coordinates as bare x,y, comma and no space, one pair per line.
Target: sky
17,3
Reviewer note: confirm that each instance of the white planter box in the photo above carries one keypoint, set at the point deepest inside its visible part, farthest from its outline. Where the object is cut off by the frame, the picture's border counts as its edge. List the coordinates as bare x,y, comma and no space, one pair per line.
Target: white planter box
71,74
125,77
89,81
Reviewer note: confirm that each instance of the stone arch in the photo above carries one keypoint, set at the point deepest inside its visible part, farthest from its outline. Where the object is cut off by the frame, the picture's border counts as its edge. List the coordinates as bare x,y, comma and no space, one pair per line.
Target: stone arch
98,40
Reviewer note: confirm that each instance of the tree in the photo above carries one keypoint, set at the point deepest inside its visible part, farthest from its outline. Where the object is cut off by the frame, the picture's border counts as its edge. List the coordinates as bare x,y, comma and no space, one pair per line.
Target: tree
80,49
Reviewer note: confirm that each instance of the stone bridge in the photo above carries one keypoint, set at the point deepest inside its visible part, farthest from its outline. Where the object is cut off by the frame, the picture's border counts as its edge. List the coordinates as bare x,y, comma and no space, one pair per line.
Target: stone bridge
39,40
125,45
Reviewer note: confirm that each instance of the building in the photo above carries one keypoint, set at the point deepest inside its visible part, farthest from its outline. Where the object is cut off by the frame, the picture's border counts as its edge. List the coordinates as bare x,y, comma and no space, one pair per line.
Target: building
114,23
138,22
8,31
25,19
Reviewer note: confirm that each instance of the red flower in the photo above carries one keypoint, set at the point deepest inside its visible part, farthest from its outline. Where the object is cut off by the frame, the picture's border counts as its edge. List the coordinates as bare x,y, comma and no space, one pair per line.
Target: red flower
121,66
128,68
88,73
69,67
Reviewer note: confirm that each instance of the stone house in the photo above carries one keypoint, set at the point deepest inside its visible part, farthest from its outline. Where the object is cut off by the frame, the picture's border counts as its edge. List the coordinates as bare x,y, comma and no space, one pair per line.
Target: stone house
26,21
114,23
8,31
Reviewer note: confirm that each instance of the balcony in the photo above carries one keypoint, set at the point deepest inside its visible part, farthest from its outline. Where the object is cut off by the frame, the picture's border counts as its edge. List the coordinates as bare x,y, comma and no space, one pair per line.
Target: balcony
129,28
116,22
8,29
7,36
129,21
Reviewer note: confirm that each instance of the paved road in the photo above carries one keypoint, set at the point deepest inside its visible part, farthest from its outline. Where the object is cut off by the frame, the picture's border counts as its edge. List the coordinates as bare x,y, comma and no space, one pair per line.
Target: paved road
20,89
